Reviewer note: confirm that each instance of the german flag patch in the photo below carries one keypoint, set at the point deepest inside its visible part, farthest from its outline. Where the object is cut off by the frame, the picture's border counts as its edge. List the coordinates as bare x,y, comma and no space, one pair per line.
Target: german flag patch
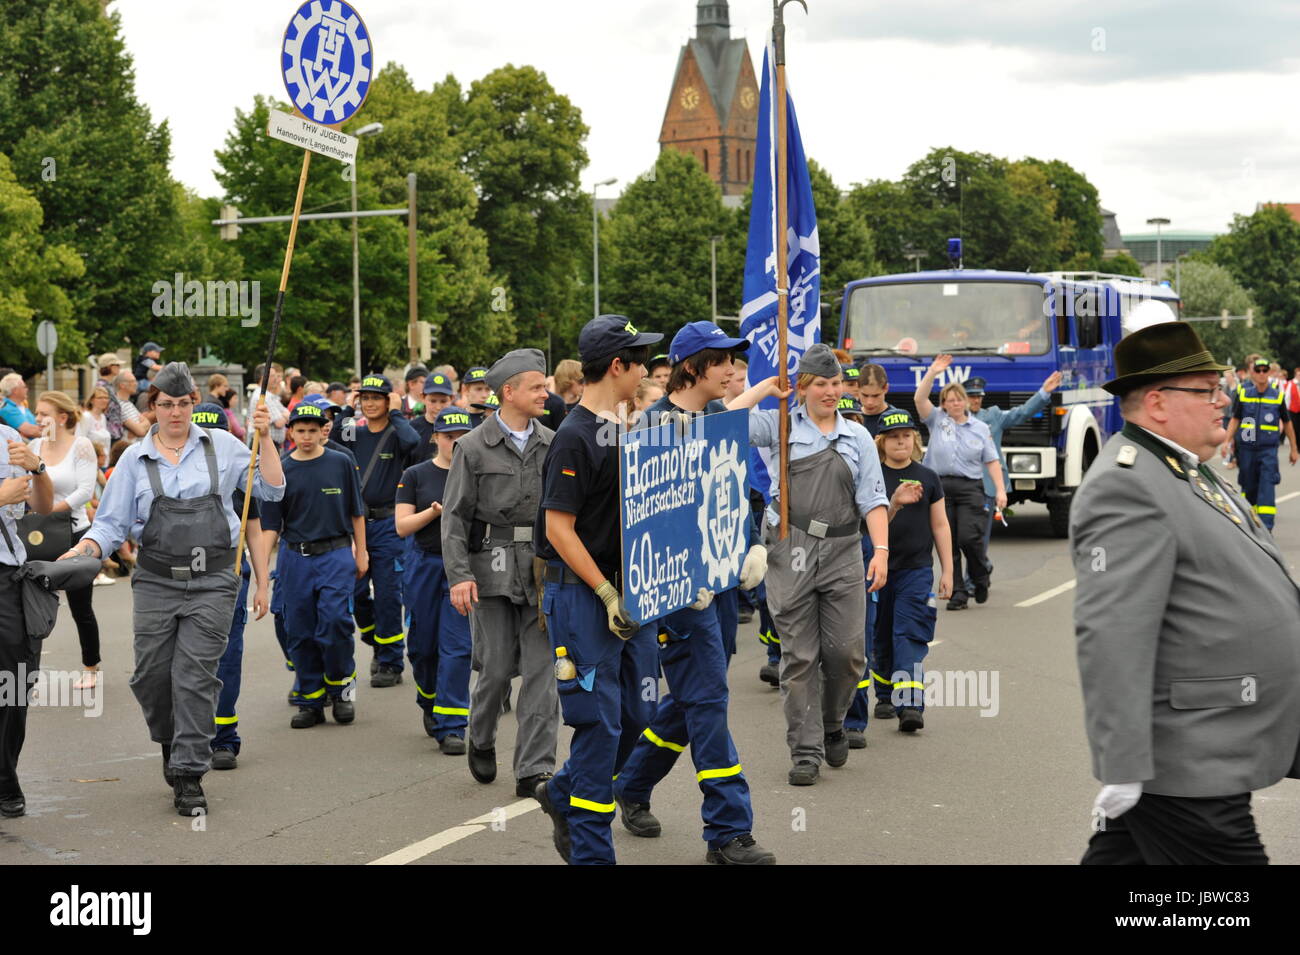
568,472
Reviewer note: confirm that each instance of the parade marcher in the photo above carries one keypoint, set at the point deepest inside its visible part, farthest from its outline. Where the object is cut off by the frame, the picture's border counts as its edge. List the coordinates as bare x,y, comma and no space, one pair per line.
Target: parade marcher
172,492
659,370
960,451
321,520
437,396
437,638
692,645
1259,418
852,380
488,527
904,621
24,481
383,447
998,422
577,534
473,390
416,376
227,741
815,576
568,383
1189,666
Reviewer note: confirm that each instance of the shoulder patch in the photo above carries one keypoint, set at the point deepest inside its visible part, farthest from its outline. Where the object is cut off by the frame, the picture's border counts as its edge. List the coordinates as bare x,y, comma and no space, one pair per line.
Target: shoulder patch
1127,456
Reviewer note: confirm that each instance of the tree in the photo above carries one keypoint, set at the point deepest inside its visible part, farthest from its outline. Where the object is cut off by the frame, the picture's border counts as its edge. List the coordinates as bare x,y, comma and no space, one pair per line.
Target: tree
522,143
1208,289
1078,210
1121,263
31,280
655,246
1262,251
89,152
847,249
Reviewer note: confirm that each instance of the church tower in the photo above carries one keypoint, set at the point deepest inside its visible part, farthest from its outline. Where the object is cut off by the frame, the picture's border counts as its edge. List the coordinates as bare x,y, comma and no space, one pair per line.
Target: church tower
712,111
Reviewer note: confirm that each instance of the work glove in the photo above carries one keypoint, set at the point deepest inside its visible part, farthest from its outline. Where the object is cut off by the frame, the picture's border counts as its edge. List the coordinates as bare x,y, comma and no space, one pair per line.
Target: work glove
621,622
754,568
1116,799
702,599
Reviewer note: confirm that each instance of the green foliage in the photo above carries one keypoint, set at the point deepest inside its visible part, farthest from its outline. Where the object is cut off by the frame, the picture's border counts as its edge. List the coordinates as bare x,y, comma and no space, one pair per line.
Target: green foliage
84,146
847,246
1121,263
1077,210
30,282
1262,251
1208,289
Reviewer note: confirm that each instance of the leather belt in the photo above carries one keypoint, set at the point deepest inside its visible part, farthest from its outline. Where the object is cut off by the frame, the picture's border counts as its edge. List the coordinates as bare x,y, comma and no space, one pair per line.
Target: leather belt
519,534
226,559
318,547
821,529
379,513
559,573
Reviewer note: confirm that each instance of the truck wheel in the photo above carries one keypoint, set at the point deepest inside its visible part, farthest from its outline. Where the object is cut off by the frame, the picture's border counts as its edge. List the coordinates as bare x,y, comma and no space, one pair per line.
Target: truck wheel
1058,511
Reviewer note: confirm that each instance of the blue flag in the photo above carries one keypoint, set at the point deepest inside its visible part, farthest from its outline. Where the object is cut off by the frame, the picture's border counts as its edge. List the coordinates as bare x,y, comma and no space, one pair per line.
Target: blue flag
758,312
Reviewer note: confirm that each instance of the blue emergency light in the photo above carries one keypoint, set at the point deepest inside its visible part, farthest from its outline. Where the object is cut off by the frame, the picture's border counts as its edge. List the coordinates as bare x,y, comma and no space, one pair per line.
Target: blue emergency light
954,252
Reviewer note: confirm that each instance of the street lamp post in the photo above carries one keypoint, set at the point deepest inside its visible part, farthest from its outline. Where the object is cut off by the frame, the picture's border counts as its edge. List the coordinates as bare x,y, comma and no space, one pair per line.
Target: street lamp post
595,248
713,270
373,129
1158,222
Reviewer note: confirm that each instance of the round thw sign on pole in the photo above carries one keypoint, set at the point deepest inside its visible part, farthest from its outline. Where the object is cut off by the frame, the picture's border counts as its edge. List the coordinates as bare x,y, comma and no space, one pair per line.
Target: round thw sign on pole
47,339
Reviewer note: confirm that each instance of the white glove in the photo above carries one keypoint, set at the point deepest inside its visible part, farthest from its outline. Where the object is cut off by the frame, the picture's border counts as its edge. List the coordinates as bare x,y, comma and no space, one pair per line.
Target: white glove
1116,799
754,568
702,599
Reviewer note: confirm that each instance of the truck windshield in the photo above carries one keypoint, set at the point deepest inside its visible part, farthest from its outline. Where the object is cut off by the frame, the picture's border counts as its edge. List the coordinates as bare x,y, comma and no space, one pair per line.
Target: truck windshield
927,318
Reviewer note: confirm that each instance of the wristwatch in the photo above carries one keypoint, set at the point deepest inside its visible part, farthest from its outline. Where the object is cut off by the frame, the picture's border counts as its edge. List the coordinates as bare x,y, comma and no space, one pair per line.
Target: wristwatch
39,471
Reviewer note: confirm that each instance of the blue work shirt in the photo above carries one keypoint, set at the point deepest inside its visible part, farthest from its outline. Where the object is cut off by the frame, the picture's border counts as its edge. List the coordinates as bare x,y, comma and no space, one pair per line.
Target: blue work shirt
521,439
958,450
851,441
998,422
127,499
8,470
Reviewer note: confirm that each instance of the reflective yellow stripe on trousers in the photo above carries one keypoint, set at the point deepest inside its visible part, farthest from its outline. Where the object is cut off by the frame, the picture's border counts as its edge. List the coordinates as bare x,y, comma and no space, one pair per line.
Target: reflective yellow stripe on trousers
718,773
659,741
590,806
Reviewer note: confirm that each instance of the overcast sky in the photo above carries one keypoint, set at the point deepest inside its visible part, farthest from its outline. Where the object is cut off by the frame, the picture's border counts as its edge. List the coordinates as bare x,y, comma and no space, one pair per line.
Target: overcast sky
1179,109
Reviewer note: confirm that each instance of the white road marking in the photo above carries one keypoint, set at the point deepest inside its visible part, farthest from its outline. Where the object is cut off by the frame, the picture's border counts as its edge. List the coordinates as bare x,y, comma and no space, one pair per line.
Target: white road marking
1047,594
1286,497
440,840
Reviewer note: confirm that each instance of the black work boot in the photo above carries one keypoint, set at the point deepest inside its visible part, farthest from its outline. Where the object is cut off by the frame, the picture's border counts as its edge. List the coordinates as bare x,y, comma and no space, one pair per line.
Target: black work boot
637,818
386,676
345,711
167,773
910,719
527,787
560,835
884,710
224,759
307,716
770,673
453,745
189,800
857,738
837,749
742,850
482,763
804,773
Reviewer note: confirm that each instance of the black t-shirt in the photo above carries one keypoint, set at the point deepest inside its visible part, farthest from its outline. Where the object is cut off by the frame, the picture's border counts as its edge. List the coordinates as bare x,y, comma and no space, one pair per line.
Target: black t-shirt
428,446
321,496
555,411
422,485
333,445
910,539
580,477
397,455
872,421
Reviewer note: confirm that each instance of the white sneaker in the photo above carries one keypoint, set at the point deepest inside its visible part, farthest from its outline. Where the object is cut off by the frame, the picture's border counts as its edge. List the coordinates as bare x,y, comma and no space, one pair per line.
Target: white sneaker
103,580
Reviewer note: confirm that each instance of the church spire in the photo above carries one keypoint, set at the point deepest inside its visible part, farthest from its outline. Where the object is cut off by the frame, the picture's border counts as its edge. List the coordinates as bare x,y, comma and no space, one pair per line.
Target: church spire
712,21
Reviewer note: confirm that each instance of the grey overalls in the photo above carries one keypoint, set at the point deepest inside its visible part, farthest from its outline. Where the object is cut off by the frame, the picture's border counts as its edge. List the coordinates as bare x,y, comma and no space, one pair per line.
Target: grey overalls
184,590
818,602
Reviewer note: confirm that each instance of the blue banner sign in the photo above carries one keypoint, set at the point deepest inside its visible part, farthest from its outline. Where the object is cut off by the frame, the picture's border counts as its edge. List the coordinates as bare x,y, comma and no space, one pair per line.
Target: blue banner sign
685,510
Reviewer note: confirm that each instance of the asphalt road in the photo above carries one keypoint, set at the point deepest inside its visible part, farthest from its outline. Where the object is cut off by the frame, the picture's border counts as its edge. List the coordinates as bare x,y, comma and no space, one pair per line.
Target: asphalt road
1008,782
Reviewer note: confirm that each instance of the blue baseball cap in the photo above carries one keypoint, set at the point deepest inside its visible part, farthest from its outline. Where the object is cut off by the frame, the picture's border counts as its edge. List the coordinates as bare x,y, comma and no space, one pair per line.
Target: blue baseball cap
490,403
452,419
698,336
209,414
475,375
603,336
850,372
849,405
308,411
895,420
438,384
376,383
320,401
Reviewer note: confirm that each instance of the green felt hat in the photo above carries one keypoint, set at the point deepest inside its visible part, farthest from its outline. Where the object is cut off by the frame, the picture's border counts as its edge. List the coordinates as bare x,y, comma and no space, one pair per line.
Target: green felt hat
1165,350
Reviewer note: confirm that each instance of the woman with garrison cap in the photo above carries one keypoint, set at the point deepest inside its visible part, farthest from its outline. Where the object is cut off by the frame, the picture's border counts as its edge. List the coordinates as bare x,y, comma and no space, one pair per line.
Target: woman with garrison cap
172,492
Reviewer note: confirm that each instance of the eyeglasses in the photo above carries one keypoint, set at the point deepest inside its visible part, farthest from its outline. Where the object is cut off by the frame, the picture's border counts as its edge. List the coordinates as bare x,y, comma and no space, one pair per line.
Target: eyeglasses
1215,393
170,406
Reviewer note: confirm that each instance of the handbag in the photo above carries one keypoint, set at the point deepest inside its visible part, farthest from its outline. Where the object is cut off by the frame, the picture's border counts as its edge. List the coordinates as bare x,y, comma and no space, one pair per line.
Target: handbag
46,536
40,582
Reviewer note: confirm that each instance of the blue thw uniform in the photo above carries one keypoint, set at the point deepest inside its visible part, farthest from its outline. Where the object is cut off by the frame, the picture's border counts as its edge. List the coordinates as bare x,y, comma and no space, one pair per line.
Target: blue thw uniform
693,656
317,572
438,637
385,455
1261,418
606,703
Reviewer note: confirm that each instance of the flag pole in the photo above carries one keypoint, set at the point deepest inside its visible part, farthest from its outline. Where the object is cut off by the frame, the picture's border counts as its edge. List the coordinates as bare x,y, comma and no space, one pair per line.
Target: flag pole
782,255
270,356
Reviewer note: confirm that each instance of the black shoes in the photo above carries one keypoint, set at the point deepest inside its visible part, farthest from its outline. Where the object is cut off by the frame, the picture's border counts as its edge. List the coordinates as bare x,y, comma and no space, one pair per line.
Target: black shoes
804,773
385,676
982,592
857,739
837,749
910,720
223,759
770,673
746,615
167,773
742,850
527,787
482,764
307,716
560,833
11,807
345,711
374,665
189,800
884,710
955,604
427,719
637,818
455,746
